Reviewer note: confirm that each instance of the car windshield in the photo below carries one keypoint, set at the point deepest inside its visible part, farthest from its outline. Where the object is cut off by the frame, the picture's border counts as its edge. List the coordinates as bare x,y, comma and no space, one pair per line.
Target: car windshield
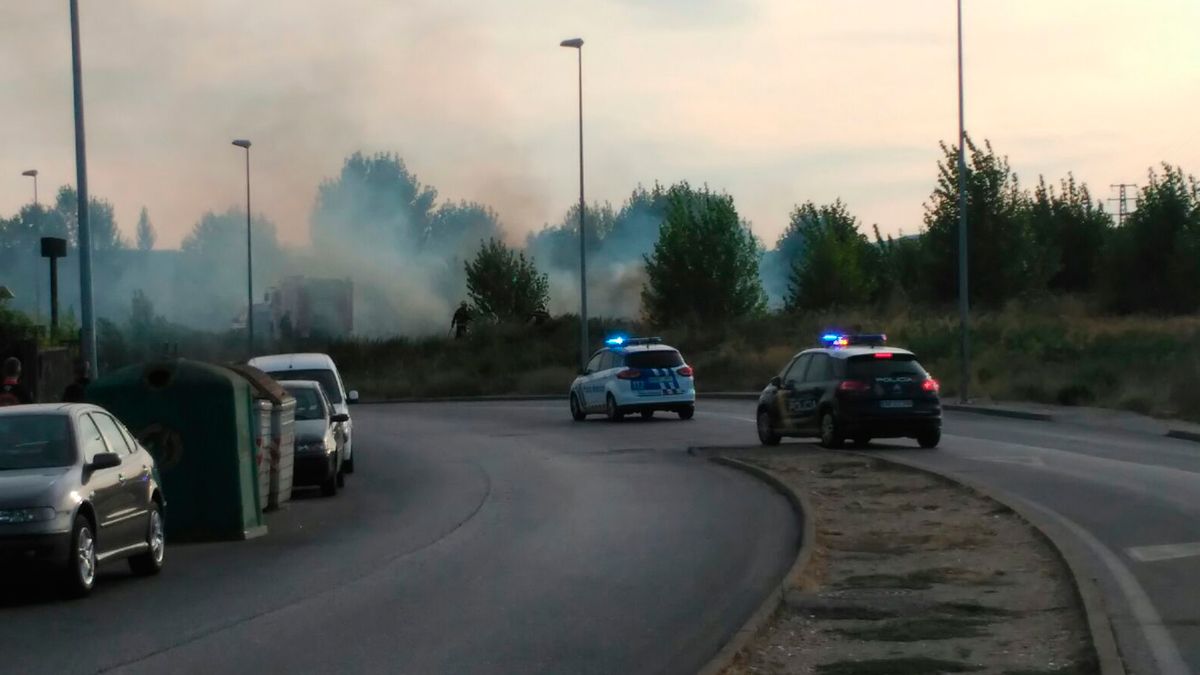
658,358
868,367
35,442
308,403
325,377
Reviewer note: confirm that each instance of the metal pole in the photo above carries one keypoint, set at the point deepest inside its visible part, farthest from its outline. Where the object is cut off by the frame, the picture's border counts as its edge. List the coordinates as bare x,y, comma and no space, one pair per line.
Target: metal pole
963,301
583,313
85,232
37,277
249,268
35,197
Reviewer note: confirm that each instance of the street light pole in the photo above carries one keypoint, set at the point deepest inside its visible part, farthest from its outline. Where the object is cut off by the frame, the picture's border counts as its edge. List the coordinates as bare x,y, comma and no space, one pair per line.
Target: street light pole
85,230
34,174
242,143
37,281
963,298
577,44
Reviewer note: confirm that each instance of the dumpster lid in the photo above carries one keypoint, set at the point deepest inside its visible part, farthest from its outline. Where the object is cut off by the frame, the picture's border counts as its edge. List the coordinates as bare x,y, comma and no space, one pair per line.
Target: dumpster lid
264,385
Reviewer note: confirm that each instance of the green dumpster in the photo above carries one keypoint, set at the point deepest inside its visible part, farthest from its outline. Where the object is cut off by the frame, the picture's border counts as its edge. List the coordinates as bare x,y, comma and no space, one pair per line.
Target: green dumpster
195,419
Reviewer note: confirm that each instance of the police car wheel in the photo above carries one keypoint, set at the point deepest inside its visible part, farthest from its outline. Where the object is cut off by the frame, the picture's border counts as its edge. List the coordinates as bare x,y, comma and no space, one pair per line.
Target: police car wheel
687,413
577,412
862,441
929,439
614,413
647,414
766,429
831,435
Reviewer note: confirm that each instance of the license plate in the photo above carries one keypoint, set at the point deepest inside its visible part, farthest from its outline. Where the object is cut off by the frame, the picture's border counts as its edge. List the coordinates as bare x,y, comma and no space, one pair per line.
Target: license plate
896,404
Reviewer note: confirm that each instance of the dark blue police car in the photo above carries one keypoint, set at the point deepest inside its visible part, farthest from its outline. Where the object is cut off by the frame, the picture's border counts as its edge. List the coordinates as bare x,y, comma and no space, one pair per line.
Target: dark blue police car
851,387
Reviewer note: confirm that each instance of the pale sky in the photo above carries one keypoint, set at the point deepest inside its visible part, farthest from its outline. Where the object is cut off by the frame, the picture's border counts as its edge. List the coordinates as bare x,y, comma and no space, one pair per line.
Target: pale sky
773,101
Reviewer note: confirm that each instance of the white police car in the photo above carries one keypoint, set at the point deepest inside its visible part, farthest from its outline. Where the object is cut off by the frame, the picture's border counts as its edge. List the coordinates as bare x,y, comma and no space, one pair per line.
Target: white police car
634,375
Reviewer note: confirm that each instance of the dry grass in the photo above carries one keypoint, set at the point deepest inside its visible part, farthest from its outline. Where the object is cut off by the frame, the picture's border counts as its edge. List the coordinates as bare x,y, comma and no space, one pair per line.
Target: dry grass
1052,350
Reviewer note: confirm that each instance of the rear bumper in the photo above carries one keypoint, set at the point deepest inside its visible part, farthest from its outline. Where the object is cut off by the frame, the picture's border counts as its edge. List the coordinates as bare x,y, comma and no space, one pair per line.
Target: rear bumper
312,469
650,406
892,426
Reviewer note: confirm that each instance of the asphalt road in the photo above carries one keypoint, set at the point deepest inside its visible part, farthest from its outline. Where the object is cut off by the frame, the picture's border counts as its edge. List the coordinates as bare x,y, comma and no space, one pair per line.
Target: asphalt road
502,537
474,538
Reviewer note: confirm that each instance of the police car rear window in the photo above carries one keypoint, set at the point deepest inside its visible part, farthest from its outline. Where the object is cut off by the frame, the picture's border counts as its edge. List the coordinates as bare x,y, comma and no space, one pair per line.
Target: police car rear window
659,358
868,367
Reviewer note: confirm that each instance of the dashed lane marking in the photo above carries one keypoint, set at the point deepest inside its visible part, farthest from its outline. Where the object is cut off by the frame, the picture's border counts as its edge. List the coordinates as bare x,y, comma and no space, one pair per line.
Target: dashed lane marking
1163,552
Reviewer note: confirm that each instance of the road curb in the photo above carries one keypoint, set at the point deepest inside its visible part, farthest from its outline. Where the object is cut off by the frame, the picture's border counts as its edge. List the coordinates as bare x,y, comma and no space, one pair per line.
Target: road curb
1182,435
1000,412
724,658
1103,637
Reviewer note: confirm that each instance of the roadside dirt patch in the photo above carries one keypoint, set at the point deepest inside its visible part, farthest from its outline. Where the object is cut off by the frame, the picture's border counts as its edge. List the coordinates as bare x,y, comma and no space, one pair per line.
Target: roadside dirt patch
912,575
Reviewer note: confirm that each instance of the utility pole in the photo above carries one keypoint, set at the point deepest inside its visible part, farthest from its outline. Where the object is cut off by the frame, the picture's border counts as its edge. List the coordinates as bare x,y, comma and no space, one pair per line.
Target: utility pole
1122,201
964,317
85,230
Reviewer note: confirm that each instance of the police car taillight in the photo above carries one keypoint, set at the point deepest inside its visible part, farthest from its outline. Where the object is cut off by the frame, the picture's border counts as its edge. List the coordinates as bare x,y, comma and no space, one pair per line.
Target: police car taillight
629,374
854,387
931,385
685,371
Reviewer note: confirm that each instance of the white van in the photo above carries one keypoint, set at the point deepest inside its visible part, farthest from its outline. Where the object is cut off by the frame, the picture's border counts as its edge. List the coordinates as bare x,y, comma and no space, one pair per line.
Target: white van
318,367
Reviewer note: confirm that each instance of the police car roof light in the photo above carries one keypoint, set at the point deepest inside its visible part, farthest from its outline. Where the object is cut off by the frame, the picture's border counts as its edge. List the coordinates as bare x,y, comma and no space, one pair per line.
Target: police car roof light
867,339
643,341
615,341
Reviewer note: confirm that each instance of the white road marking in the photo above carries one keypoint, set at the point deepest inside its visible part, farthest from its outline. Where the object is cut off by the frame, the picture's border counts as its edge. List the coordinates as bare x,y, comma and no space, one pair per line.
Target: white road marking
1163,552
1026,461
1158,638
731,417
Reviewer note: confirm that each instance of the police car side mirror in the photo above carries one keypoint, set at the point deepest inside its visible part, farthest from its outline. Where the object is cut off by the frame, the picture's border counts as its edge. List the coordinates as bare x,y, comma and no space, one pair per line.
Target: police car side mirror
584,371
776,382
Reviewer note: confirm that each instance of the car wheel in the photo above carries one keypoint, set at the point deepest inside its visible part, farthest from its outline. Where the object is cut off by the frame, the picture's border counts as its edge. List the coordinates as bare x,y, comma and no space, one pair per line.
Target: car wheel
766,429
330,487
348,466
80,574
577,412
341,477
687,413
929,439
647,414
151,562
611,409
862,441
831,434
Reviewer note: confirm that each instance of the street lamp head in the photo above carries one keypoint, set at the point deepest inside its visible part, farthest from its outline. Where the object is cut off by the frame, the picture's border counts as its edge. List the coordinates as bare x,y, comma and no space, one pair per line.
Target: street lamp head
576,43
31,172
242,143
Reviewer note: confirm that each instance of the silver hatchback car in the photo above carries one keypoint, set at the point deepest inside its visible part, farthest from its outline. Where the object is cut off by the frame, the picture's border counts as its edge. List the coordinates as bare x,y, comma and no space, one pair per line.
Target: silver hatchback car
77,490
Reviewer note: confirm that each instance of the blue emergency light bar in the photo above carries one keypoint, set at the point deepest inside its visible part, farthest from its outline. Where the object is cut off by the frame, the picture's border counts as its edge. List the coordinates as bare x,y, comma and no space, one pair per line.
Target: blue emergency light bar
622,341
843,340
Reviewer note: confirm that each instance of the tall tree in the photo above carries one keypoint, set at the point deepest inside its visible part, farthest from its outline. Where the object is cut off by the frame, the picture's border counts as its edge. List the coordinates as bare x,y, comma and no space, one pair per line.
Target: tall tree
1070,229
374,202
102,224
1002,258
504,284
457,228
838,267
704,267
1153,261
145,231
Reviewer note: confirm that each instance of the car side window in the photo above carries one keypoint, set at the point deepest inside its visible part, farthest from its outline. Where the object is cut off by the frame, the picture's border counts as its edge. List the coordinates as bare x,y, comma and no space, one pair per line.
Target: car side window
795,374
618,360
112,435
90,439
594,365
820,370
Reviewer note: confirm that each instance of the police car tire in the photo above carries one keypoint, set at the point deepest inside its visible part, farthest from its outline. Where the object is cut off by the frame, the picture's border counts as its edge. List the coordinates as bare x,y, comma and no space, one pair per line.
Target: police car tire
833,439
929,440
687,413
647,414
577,412
611,409
766,429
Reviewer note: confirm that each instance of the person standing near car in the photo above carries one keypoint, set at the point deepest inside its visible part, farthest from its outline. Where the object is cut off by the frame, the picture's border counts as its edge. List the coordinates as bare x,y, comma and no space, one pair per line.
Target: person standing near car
74,393
12,392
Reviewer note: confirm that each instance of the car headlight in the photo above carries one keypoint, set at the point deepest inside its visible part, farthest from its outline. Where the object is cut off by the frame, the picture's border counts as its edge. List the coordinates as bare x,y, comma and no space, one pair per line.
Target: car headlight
35,515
